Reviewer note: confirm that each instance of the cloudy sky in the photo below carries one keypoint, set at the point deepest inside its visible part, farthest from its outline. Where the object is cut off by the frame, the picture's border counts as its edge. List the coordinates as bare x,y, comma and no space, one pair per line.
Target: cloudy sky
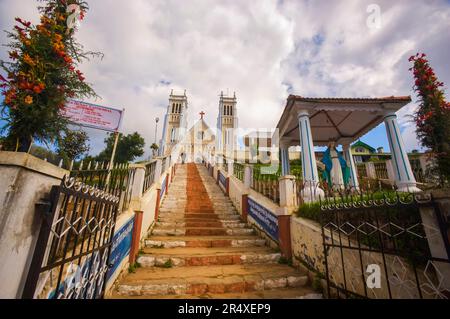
264,50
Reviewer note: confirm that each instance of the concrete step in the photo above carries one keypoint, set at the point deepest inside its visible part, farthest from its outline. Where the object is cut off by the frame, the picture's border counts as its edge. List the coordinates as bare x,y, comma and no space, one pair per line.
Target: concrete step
181,216
204,241
191,223
201,231
178,257
210,280
286,293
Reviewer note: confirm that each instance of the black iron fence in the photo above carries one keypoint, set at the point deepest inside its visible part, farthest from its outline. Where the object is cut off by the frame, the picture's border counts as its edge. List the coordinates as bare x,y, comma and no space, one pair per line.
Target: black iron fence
117,180
377,245
71,255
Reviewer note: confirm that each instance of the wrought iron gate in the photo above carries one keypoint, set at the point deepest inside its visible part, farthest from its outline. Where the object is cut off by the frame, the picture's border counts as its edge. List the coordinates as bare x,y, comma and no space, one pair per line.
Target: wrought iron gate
71,255
388,236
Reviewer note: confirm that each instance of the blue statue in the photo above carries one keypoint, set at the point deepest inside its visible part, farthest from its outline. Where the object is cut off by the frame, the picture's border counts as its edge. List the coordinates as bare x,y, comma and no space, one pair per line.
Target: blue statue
337,172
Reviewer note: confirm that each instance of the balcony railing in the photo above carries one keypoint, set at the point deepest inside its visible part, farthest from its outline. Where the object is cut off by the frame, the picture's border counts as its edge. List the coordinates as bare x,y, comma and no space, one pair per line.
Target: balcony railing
381,170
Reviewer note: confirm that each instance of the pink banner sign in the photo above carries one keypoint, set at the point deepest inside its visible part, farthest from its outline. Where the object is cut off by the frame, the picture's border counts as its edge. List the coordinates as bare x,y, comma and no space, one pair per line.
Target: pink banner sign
93,116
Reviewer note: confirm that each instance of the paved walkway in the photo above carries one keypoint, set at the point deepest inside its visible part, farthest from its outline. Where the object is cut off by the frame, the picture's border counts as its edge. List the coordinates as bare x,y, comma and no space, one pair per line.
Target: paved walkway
200,248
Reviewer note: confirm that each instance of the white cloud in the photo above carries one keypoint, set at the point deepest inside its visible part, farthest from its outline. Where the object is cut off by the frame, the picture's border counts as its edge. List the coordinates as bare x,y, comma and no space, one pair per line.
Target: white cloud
257,48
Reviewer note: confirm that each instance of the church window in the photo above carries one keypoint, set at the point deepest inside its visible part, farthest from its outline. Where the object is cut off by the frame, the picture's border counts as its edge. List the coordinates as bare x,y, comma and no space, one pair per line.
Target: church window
173,108
172,135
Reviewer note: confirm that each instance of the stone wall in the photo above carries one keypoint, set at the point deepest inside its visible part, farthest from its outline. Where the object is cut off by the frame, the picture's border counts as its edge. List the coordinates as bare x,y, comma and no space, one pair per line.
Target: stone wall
25,181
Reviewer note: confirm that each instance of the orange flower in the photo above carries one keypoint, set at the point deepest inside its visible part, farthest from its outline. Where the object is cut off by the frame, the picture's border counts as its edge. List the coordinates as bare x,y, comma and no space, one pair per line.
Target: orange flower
37,89
28,60
29,99
58,37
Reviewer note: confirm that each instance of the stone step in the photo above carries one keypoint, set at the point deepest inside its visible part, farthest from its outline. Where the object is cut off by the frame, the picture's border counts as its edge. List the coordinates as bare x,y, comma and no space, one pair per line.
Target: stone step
178,257
210,280
201,231
191,223
286,293
166,216
199,220
204,241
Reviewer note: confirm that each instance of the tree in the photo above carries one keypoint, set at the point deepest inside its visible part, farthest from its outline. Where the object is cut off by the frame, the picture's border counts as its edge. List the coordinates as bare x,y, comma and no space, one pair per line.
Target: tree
45,154
42,74
128,148
433,115
154,148
73,145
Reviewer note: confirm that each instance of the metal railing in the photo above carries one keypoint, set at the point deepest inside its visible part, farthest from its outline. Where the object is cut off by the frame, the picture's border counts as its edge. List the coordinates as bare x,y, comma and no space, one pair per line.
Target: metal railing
116,181
239,171
77,234
386,227
149,178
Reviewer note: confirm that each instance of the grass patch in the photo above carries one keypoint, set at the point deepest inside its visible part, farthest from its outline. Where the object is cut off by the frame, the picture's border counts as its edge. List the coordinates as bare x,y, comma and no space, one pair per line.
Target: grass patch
134,267
167,264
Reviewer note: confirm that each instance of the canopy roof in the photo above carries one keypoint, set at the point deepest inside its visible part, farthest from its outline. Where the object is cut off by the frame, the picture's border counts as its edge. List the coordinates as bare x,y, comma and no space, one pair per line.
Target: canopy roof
342,120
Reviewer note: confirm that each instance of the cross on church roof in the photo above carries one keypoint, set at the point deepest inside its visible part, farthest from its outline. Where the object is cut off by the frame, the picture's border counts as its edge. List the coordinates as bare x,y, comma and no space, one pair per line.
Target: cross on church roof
202,114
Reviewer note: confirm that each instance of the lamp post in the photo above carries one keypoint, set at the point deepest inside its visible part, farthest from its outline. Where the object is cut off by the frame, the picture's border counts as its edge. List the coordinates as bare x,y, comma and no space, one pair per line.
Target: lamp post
156,129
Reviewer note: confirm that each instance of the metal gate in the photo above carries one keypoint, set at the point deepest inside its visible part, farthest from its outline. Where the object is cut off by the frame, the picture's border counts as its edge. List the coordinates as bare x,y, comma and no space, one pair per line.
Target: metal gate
70,260
385,246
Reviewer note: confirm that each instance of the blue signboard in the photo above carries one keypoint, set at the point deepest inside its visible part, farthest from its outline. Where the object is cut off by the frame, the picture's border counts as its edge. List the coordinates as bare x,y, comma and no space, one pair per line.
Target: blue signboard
120,247
163,188
264,217
222,180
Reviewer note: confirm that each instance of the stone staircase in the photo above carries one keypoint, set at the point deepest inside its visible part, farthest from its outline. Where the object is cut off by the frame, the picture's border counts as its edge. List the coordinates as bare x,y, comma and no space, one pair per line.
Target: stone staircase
200,248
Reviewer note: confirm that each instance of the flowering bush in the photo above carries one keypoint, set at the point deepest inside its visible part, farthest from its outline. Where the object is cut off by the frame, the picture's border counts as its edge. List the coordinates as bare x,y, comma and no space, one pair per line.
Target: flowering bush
42,75
433,115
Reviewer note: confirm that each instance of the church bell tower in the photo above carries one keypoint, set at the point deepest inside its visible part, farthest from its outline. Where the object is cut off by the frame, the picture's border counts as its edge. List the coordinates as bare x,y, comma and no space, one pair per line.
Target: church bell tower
175,122
227,123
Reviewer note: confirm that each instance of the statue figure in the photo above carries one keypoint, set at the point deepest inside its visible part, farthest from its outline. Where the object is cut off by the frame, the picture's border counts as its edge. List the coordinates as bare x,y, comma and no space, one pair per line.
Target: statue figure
337,172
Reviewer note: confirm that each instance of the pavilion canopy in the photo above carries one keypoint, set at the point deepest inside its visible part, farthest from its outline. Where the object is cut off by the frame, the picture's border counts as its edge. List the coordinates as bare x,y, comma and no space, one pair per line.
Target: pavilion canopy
342,120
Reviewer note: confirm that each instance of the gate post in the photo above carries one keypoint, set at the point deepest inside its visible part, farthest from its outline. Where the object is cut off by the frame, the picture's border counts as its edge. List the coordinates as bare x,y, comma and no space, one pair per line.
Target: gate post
158,202
244,204
284,235
41,245
136,237
167,183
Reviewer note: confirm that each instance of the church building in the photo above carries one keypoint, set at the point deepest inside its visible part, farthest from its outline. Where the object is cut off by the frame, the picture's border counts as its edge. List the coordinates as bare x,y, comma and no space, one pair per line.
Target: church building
200,141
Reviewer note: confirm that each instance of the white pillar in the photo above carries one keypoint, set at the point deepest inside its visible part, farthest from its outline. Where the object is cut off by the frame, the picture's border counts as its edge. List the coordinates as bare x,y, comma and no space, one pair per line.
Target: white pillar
351,164
311,192
404,177
230,167
285,165
370,170
390,172
247,177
